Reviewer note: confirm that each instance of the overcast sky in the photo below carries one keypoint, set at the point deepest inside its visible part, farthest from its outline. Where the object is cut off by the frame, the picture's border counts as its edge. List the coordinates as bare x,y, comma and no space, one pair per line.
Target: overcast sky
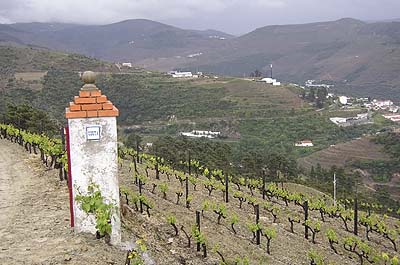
232,16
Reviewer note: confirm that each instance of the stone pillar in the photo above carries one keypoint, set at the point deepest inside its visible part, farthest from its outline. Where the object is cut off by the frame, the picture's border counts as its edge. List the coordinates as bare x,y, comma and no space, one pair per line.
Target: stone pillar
93,153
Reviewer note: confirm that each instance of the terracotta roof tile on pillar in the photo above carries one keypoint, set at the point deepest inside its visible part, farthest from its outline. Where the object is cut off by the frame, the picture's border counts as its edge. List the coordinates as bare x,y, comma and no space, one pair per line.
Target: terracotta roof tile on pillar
90,103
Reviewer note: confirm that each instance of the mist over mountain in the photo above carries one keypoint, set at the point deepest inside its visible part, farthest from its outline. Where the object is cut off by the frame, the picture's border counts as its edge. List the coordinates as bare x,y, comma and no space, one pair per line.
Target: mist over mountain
359,57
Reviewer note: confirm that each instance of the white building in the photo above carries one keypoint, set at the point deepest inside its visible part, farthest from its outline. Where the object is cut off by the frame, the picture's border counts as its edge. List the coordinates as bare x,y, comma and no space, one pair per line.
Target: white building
305,143
338,120
268,80
392,117
343,100
393,109
177,74
127,65
201,134
217,37
276,83
362,116
194,55
382,104
311,83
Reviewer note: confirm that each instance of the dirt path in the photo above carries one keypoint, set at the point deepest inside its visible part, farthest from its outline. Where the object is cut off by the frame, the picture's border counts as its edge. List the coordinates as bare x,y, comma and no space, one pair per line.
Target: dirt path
34,216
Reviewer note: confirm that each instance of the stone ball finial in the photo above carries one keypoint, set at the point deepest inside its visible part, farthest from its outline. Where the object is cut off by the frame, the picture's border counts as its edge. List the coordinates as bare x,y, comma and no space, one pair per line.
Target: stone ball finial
89,78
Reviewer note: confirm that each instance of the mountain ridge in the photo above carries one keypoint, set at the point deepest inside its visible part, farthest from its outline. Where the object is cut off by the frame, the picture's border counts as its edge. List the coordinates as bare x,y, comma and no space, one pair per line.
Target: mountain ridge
357,56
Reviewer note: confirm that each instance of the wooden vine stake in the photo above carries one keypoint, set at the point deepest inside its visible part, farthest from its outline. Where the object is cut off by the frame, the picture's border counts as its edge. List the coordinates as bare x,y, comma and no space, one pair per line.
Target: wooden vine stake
140,193
226,188
61,169
263,180
305,219
137,151
356,215
187,184
258,233
198,227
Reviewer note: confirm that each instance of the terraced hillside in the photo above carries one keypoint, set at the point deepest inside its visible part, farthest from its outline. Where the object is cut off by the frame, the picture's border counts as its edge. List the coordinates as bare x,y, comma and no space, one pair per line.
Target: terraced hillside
226,242
344,154
254,119
160,202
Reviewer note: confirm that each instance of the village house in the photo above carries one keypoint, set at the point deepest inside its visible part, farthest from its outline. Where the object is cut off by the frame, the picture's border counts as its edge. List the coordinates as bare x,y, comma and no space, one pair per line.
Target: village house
343,100
392,117
381,104
304,143
362,118
271,81
129,65
200,134
393,109
311,83
177,74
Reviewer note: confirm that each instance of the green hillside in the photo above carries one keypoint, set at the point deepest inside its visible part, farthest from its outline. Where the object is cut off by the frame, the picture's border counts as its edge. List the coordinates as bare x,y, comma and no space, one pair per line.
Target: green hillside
250,115
258,122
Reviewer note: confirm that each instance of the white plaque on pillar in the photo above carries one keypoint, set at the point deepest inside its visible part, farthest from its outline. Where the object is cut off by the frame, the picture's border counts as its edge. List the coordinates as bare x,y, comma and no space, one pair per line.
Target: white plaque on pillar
93,133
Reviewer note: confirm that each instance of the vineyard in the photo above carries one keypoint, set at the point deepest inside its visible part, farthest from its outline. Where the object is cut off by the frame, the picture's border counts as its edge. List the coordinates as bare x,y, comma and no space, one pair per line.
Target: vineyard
231,231
191,214
344,154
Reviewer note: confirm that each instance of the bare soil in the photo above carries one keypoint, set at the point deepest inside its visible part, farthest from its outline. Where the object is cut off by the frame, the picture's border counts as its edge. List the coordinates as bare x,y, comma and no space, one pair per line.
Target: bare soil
34,216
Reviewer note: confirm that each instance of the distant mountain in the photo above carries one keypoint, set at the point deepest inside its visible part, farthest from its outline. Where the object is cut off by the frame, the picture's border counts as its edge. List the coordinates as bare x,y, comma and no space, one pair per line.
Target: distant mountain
360,58
129,40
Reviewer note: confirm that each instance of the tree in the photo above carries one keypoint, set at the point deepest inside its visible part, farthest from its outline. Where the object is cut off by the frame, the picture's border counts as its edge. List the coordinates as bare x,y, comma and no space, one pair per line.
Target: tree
311,95
28,118
321,96
256,73
132,139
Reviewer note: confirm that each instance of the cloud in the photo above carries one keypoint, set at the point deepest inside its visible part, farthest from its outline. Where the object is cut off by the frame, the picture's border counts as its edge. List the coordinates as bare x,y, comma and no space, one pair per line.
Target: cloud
4,20
268,4
106,11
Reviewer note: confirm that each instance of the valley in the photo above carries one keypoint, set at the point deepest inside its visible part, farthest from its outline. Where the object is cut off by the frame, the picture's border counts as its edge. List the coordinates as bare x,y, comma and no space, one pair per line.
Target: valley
282,133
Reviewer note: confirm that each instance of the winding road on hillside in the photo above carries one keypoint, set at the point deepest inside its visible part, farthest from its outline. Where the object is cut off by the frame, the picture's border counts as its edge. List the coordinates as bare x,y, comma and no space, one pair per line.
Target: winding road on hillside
34,216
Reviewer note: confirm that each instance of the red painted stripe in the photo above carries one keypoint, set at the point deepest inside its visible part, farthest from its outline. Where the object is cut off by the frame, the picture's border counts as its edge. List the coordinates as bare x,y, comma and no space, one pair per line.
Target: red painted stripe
71,203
